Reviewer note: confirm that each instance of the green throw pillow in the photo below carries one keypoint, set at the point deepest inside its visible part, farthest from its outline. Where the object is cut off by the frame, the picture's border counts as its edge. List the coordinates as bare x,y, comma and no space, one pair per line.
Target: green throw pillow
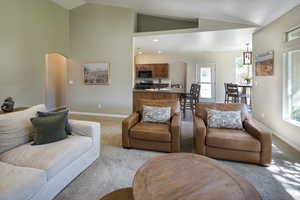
49,129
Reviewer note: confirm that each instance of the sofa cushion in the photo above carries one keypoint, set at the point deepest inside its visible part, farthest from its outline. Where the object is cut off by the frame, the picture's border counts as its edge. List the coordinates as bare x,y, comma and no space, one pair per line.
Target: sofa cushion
151,131
52,157
20,183
49,128
232,139
53,113
16,128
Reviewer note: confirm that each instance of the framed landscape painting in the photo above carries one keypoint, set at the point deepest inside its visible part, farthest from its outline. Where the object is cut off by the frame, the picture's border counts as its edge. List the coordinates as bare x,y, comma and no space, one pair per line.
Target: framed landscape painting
264,64
96,73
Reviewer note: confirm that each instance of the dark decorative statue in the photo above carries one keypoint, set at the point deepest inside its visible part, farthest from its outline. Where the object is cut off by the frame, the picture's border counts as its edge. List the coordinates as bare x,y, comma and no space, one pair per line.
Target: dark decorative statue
8,105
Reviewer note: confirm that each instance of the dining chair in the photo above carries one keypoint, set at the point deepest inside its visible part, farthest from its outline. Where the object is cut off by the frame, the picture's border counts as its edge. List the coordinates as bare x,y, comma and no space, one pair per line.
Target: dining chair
232,94
189,100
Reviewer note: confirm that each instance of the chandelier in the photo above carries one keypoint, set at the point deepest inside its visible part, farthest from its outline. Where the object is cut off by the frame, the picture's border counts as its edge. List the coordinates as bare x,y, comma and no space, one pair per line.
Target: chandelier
247,56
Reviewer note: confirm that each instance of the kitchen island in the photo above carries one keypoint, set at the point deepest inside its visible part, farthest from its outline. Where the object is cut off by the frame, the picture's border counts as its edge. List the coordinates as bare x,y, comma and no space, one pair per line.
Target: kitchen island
156,94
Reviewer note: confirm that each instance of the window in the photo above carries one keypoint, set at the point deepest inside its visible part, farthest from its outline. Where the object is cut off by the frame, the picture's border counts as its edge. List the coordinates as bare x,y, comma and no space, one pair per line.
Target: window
205,76
243,72
293,34
292,93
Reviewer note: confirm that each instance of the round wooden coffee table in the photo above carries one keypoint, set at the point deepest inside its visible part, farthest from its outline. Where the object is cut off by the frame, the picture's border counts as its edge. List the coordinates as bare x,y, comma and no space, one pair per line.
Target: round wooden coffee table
121,194
190,177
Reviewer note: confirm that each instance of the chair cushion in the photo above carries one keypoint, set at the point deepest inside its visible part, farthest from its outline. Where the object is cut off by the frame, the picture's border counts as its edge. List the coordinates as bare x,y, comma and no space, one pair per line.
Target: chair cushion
20,183
151,131
224,119
156,114
232,139
201,109
52,157
174,104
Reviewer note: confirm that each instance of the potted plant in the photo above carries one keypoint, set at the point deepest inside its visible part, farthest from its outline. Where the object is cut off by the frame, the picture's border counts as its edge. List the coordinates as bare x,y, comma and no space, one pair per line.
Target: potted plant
248,80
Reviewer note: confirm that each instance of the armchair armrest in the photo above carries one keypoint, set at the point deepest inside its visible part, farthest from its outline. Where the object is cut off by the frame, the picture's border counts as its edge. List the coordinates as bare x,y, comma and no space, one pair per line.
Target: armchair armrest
127,123
264,136
88,129
176,132
199,135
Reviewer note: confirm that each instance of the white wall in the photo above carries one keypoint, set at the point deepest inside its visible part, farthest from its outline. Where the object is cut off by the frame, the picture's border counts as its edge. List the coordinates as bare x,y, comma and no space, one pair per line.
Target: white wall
267,95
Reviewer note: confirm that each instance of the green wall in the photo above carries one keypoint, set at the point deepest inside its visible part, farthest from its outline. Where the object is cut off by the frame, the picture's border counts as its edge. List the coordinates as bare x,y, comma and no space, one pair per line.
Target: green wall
147,23
101,34
29,29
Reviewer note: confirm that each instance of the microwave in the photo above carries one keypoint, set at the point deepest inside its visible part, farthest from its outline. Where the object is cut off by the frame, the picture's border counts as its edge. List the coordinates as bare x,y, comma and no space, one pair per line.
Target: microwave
145,74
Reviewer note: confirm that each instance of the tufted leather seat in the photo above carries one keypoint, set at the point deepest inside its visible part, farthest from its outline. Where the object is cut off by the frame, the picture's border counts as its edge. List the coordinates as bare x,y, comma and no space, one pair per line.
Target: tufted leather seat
153,136
253,144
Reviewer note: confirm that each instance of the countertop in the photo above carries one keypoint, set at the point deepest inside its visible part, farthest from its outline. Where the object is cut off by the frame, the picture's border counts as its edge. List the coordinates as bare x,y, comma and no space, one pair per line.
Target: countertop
162,90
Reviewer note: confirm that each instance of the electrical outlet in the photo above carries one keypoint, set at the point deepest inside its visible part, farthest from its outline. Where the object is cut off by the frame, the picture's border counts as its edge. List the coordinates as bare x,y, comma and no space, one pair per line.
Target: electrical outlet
99,105
263,115
71,82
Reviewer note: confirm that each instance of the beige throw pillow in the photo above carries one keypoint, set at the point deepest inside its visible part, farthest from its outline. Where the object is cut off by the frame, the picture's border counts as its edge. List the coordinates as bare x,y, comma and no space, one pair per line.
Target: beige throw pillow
224,119
16,128
156,114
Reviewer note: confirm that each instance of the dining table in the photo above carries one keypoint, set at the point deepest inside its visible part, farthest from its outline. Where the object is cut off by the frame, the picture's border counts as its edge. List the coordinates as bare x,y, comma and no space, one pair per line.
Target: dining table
244,89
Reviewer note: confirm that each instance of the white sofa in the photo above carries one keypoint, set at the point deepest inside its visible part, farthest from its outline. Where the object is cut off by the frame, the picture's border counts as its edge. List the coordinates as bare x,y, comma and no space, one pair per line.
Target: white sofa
40,172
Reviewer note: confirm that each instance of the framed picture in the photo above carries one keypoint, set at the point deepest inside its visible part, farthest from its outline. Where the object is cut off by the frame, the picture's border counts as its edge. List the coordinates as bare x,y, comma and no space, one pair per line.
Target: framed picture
264,64
96,73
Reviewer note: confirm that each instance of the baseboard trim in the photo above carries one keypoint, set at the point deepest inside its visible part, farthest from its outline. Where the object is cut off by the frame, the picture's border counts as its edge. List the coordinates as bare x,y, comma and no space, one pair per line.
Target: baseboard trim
99,114
279,136
291,144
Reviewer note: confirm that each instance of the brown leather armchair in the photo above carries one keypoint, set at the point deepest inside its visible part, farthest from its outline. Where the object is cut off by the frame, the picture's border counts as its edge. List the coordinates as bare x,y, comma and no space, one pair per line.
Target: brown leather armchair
253,144
153,136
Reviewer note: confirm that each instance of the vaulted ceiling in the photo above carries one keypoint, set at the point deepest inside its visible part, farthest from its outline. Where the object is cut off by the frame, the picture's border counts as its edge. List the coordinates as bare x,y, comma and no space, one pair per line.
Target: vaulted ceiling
253,12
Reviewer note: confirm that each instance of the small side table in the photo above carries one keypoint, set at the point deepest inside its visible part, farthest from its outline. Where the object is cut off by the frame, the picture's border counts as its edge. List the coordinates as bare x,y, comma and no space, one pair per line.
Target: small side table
121,194
15,110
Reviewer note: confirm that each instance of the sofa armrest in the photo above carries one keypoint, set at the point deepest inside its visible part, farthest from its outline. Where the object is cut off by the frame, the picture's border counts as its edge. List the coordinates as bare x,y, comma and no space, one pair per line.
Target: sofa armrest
199,135
86,128
264,136
127,124
176,132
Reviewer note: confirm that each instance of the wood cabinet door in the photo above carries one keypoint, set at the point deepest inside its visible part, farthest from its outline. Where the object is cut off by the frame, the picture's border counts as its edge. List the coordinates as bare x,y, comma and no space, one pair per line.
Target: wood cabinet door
161,71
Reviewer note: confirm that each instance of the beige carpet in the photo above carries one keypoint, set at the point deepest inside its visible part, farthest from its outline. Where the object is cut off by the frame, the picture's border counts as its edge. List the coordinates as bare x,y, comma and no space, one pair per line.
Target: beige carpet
116,168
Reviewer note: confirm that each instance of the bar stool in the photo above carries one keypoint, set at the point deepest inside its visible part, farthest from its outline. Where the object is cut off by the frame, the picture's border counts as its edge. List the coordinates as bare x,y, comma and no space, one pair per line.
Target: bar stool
188,101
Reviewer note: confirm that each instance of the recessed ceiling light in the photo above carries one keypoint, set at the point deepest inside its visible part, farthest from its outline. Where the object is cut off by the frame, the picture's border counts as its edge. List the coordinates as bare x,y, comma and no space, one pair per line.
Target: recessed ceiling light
159,51
155,40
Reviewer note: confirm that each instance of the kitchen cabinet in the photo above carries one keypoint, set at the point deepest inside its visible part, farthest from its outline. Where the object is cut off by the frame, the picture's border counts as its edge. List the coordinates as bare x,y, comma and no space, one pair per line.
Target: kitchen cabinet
158,70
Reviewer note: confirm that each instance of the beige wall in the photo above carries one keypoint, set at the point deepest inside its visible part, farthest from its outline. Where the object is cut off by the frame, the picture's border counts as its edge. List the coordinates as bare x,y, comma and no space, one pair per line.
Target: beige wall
177,67
267,96
29,30
101,33
56,81
225,68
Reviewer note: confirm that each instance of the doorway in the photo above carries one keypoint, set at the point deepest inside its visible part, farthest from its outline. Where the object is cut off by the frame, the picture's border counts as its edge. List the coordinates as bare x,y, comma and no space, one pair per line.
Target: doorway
56,81
206,77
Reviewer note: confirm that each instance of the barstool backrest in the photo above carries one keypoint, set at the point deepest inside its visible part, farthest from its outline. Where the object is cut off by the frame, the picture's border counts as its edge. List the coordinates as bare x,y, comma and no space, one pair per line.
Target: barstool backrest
195,91
231,89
